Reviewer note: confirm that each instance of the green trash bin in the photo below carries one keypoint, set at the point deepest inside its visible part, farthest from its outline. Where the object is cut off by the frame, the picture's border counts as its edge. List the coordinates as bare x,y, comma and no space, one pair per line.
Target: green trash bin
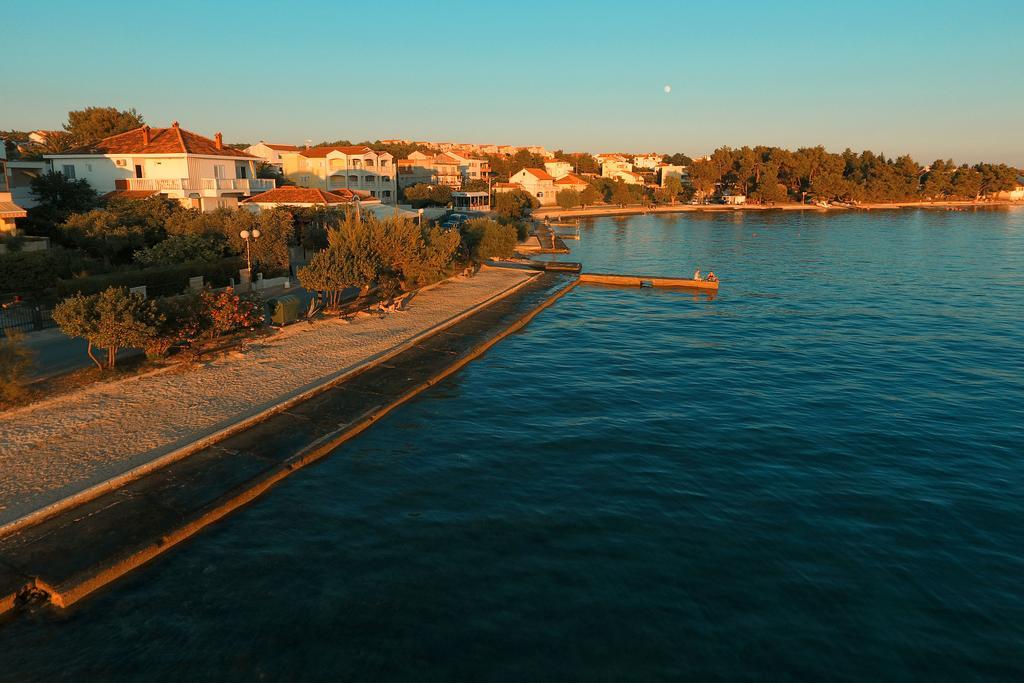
285,309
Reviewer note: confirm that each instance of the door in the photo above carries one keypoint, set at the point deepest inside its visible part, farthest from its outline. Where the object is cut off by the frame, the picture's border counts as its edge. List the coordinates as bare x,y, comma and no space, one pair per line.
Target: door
138,170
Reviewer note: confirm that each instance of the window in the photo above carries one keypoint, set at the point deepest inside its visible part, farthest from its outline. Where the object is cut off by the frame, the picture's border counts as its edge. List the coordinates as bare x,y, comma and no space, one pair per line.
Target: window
69,171
383,163
88,167
386,193
539,195
353,179
369,178
373,193
369,163
386,179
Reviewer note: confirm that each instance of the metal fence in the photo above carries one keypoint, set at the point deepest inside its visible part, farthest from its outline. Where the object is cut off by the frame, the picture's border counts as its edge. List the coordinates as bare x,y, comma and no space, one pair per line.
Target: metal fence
25,318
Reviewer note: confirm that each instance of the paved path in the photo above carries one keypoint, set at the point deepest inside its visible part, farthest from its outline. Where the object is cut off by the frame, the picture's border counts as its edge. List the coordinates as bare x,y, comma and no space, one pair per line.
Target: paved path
59,447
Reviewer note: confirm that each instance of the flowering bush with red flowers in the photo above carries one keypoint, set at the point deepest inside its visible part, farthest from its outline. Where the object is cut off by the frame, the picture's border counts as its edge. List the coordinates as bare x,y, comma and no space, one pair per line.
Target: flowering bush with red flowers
229,312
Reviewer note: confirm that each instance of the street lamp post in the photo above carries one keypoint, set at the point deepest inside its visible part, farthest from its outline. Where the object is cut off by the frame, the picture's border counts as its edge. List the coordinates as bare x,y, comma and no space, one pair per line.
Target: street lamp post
247,236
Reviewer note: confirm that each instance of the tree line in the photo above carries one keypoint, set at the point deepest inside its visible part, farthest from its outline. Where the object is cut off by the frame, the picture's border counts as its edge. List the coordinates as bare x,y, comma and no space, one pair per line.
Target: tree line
773,174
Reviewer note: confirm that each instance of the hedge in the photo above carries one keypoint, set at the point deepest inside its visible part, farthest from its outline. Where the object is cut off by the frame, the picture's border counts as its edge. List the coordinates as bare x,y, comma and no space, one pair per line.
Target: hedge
32,271
159,280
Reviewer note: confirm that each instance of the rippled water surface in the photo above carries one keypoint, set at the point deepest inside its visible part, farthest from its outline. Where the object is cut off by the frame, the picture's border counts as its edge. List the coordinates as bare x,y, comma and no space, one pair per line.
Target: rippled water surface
818,474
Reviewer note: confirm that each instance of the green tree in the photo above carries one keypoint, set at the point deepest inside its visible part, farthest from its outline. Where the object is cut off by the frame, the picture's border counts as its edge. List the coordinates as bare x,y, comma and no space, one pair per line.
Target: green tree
589,196
111,320
621,194
422,194
568,199
95,123
57,197
516,204
269,251
485,238
181,249
669,191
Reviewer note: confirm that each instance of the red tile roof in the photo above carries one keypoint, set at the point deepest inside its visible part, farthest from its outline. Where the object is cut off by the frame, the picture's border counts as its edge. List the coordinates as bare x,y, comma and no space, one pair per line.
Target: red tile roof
570,179
508,186
312,152
302,195
539,173
173,140
129,194
282,148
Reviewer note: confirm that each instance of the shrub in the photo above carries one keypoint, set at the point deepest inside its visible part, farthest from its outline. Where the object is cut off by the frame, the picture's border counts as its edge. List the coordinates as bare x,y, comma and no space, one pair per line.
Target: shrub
568,199
161,280
16,360
111,320
485,238
181,249
515,204
31,271
422,194
230,312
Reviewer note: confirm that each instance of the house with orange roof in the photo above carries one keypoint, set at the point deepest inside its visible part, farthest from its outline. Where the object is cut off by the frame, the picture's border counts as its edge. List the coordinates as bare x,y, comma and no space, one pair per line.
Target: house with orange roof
570,181
649,161
349,167
308,197
270,152
537,182
198,171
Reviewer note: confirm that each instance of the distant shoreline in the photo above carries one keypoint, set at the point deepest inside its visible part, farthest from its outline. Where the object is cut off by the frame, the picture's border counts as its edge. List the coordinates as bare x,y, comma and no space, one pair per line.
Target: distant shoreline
790,206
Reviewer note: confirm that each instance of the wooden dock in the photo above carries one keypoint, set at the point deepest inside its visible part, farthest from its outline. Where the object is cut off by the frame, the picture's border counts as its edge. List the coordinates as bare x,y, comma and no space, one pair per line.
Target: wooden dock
647,281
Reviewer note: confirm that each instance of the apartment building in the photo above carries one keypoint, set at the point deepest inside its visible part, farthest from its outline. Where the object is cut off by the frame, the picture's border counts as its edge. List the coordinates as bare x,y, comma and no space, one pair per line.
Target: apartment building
355,168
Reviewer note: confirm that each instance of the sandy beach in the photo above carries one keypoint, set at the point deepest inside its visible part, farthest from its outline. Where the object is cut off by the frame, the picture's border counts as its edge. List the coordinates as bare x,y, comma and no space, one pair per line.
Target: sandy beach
56,448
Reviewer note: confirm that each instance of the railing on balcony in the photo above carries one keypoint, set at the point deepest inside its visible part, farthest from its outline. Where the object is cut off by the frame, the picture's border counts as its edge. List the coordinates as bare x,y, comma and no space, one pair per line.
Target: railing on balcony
239,184
202,184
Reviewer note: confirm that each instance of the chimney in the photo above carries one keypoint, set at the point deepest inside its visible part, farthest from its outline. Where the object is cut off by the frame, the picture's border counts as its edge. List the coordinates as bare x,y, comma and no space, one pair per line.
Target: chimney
174,124
145,135
219,139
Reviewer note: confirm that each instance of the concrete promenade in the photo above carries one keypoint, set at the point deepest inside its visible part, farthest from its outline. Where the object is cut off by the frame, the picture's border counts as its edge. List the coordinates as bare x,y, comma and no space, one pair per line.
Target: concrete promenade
71,554
59,448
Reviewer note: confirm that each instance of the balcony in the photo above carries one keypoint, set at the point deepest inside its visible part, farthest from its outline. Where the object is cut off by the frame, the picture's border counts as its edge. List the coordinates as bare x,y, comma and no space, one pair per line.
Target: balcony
208,187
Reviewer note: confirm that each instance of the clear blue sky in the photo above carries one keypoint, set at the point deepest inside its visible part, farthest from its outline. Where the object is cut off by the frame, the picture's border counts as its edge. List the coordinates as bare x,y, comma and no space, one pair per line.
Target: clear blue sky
935,78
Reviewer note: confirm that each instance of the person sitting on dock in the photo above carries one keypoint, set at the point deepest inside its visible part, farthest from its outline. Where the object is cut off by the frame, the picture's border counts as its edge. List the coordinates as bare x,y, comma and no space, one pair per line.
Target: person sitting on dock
712,277
696,275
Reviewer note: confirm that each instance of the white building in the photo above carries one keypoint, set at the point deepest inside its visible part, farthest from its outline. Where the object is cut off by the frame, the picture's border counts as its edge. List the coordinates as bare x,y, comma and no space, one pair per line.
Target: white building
271,152
353,167
447,168
666,171
9,210
628,177
537,182
648,161
558,167
199,172
612,164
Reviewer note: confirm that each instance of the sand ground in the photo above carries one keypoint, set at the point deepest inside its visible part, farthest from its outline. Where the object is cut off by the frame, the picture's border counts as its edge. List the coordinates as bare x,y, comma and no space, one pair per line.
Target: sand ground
56,448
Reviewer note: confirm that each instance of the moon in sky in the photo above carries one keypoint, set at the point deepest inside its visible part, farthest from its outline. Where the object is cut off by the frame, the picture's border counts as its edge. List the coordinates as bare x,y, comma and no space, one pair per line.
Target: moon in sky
668,88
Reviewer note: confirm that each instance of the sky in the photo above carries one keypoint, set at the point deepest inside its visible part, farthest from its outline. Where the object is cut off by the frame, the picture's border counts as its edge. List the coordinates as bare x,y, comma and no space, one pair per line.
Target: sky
932,78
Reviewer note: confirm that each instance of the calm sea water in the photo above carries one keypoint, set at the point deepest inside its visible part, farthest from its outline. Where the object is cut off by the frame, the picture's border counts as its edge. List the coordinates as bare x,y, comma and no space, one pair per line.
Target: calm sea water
818,474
